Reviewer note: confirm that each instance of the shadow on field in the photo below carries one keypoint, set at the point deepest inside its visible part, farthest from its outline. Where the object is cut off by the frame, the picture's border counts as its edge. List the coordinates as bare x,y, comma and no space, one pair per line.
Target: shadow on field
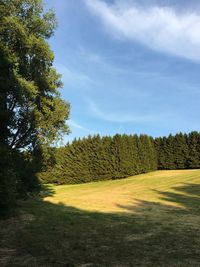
46,191
185,200
47,234
187,195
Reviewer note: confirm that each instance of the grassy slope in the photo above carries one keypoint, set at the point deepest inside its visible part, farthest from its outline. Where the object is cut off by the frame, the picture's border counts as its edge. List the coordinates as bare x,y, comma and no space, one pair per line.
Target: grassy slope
145,220
116,195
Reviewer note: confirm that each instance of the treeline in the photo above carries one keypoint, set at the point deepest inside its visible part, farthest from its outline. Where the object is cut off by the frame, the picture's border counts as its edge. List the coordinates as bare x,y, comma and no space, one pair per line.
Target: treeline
181,151
101,158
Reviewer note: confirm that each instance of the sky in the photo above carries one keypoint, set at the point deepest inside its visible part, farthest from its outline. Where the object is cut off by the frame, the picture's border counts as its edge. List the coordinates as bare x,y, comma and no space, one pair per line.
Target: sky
128,66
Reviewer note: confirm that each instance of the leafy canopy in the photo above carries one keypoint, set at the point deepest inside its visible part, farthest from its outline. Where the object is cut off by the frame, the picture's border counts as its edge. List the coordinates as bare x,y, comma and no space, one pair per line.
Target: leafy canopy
31,110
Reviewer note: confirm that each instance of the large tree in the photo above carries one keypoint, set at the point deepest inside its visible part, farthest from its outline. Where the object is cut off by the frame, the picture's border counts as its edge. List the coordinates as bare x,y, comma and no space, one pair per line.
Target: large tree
32,114
31,110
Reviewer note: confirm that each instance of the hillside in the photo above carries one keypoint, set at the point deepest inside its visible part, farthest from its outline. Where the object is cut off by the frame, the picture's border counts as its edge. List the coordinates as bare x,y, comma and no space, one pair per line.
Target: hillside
145,220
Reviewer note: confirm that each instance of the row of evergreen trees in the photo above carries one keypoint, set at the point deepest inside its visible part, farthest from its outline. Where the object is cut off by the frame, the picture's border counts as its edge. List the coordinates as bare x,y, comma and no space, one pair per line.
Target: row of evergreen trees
101,158
181,151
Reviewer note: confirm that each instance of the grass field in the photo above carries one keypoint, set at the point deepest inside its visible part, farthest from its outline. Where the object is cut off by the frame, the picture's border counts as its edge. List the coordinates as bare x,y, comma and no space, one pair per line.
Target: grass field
146,220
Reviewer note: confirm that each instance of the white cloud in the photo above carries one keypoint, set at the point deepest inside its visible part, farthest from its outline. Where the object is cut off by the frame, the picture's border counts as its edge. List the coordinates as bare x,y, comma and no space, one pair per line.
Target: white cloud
115,116
160,28
101,61
69,75
76,125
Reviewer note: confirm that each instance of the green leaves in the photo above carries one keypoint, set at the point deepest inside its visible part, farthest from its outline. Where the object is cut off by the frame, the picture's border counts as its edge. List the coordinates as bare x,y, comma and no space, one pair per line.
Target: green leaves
32,114
32,105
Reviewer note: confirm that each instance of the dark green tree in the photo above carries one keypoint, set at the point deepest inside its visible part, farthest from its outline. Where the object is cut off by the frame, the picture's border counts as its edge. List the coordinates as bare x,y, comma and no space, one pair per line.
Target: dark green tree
193,160
32,114
181,151
102,158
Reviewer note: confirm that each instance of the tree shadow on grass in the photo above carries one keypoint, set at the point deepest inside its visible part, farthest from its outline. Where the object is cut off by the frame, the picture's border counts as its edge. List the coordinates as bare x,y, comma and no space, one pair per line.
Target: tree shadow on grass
47,190
183,199
187,195
154,234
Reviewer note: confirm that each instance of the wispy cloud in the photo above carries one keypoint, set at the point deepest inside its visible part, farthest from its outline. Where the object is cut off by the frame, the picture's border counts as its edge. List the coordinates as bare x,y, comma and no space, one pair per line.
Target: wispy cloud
76,125
162,29
101,62
114,116
69,75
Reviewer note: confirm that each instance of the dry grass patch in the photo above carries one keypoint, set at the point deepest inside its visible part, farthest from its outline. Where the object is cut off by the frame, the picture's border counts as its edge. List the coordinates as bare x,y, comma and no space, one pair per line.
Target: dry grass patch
113,196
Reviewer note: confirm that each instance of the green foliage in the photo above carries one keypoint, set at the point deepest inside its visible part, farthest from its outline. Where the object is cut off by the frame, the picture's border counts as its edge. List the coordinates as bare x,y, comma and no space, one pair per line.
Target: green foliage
17,176
101,158
32,114
8,182
181,151
31,109
193,160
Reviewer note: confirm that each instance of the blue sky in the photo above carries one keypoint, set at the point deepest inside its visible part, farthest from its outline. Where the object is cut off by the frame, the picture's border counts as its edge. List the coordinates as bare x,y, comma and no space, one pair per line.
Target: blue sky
129,66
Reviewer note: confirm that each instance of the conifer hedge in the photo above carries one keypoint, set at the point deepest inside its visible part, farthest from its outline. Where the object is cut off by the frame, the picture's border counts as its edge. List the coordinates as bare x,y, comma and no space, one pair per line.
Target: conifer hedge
181,151
101,158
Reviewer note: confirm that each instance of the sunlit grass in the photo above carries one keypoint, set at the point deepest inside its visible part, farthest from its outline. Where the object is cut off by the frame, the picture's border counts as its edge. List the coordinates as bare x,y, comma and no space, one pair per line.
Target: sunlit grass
110,196
149,220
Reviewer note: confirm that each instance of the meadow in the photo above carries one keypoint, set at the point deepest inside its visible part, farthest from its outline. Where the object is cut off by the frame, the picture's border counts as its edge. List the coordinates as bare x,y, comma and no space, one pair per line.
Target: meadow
145,220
